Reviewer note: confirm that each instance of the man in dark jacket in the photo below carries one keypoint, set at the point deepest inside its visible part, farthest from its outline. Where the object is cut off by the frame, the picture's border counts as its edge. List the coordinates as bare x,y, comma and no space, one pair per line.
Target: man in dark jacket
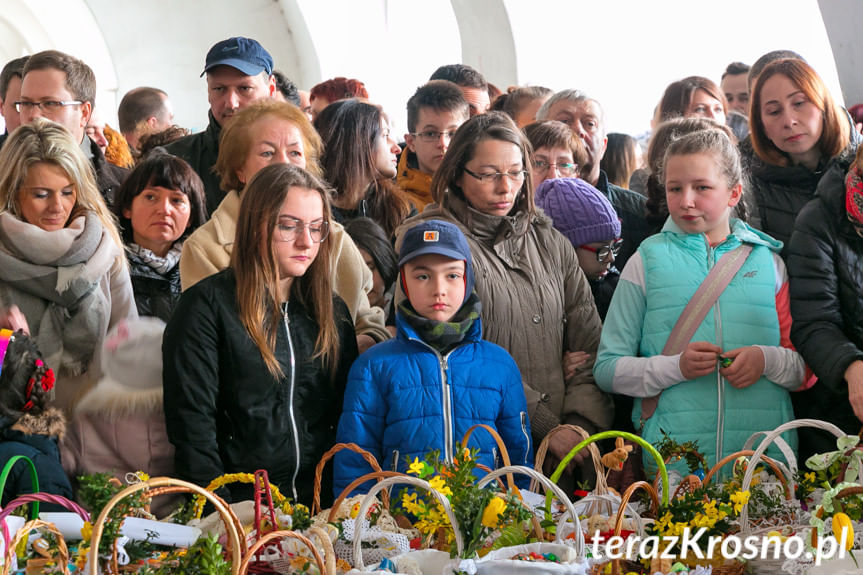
10,92
62,88
585,117
239,71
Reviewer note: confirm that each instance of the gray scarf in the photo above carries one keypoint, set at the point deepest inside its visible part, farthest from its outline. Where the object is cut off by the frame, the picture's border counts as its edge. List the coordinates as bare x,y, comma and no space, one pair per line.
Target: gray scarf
54,277
161,265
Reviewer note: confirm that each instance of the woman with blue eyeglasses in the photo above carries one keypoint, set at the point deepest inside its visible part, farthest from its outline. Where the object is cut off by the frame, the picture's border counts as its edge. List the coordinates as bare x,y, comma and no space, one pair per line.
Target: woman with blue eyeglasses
256,356
536,302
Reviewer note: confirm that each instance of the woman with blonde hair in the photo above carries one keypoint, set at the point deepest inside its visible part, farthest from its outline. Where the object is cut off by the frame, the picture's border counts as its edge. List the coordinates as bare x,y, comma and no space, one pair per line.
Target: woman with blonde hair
256,356
60,252
270,132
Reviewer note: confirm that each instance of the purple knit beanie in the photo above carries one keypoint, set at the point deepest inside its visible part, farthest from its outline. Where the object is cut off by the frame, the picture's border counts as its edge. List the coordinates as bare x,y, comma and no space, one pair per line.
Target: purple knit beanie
579,211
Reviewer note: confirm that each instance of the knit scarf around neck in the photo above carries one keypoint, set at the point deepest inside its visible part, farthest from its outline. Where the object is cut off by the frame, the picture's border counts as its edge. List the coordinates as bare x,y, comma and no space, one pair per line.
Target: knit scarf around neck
161,265
443,336
55,277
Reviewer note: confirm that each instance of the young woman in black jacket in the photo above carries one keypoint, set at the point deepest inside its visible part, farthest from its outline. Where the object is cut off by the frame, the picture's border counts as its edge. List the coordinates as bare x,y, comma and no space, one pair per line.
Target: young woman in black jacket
256,356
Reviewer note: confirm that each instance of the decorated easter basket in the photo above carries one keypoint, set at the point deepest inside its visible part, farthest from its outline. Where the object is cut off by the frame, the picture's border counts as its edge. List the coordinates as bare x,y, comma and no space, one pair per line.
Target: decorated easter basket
596,505
58,564
159,486
662,474
429,561
620,566
34,483
325,567
800,520
565,556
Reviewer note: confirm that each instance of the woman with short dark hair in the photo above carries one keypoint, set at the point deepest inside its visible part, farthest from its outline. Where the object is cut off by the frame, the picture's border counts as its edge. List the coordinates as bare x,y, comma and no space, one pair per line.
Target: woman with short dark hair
158,206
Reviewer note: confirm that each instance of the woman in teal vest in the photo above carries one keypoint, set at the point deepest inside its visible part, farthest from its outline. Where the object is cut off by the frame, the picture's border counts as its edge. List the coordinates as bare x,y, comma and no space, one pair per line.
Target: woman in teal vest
731,378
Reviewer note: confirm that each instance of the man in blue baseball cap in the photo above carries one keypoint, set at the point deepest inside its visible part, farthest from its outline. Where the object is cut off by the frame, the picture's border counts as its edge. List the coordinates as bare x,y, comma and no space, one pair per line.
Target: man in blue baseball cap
239,71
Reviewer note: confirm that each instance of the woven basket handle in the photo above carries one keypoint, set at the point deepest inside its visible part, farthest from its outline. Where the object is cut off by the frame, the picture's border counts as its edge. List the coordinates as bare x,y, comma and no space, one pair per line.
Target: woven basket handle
501,447
63,560
551,488
327,545
171,489
415,482
765,443
784,448
4,476
772,463
379,475
624,502
275,535
223,509
542,450
319,470
660,463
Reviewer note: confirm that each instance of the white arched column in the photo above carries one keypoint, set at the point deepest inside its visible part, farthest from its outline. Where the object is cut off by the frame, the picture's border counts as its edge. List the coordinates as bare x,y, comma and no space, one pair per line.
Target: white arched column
487,40
29,26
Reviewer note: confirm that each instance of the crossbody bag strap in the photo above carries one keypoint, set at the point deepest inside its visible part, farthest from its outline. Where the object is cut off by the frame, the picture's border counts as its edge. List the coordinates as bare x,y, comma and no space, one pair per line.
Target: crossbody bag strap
696,310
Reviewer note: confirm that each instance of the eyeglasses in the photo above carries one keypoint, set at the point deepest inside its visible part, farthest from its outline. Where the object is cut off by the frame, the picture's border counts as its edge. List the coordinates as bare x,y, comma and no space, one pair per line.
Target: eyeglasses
565,169
431,136
290,228
605,253
47,106
517,176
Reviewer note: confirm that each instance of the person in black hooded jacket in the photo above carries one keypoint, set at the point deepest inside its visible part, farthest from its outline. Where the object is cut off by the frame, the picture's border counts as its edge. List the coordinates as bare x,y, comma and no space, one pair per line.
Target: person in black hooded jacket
159,205
256,356
825,264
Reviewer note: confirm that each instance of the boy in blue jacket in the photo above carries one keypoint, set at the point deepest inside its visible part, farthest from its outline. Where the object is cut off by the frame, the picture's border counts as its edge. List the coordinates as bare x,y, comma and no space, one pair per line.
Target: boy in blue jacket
424,389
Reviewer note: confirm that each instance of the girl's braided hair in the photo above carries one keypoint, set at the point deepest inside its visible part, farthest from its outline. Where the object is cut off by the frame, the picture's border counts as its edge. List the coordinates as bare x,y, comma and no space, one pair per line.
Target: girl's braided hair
23,363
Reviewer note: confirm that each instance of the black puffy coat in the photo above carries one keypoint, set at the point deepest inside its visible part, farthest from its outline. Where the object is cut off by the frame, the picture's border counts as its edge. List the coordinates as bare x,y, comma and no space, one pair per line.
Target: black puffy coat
226,413
825,264
780,192
155,294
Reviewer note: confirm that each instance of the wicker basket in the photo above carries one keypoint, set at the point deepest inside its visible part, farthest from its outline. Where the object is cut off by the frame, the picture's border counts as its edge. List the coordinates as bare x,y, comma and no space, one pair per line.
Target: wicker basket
274,536
662,474
319,469
370,499
235,544
63,558
759,566
601,487
628,566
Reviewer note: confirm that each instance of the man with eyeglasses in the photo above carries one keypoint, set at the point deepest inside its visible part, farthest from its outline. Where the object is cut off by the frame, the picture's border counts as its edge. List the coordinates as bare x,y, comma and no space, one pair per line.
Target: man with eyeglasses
435,112
586,118
62,88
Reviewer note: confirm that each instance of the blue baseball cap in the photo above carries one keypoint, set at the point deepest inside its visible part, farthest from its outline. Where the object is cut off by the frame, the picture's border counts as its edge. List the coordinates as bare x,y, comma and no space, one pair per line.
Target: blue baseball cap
244,54
438,237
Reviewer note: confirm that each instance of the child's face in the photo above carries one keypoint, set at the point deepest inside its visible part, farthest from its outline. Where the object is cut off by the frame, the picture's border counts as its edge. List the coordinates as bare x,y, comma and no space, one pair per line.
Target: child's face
589,260
698,195
435,285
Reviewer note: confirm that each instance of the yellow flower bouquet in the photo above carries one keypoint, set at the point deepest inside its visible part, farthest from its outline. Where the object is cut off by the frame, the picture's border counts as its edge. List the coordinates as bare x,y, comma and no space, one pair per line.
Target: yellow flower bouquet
481,514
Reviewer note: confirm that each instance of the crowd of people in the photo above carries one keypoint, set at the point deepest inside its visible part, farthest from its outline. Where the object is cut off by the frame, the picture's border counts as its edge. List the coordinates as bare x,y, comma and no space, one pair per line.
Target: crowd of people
297,275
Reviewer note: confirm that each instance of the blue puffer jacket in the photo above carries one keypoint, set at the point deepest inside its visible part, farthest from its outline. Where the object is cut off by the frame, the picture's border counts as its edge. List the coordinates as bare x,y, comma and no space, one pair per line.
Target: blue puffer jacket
403,400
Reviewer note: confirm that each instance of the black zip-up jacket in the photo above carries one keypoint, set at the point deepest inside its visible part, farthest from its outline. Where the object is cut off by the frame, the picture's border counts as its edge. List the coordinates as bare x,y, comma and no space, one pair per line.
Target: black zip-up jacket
825,265
226,413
